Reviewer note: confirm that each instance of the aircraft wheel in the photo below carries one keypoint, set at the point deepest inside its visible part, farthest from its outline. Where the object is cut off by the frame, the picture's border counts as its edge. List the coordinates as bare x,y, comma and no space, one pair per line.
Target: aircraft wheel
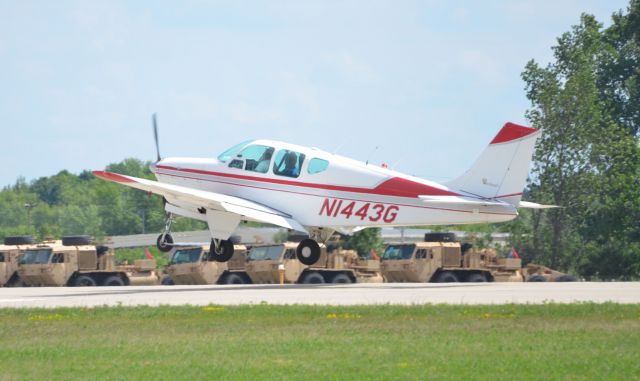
233,279
341,278
84,281
537,278
222,252
308,251
447,277
476,278
312,278
166,244
113,281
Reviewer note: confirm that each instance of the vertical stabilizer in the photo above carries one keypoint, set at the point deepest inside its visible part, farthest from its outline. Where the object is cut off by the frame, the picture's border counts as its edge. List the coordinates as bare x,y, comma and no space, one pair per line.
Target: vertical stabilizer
501,170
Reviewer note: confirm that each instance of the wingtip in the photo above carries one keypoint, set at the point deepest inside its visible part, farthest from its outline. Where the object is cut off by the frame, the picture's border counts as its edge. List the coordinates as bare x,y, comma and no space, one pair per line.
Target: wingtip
112,177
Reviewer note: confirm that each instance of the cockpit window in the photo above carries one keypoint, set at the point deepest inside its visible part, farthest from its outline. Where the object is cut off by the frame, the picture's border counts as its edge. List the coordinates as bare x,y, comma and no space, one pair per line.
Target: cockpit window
317,165
186,256
232,152
254,158
288,163
265,253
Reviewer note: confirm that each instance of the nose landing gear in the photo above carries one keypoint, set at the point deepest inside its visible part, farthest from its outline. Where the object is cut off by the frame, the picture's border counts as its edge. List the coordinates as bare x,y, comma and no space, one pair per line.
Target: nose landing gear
165,240
221,250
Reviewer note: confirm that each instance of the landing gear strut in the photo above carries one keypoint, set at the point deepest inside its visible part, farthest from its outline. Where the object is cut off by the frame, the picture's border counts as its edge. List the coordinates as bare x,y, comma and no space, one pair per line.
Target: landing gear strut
221,250
165,241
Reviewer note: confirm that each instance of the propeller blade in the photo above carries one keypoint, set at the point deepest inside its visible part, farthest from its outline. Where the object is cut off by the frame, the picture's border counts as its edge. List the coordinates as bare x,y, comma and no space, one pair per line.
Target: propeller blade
155,135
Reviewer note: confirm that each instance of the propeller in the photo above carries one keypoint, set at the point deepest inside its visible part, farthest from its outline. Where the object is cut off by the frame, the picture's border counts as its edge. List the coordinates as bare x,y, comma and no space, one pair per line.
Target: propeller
155,135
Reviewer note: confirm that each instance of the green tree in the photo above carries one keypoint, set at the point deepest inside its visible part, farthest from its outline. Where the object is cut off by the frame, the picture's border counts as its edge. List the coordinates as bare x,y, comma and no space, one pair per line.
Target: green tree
364,241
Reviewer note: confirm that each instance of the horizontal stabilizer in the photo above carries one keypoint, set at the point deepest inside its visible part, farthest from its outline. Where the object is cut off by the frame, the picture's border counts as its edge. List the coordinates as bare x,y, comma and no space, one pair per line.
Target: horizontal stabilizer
533,205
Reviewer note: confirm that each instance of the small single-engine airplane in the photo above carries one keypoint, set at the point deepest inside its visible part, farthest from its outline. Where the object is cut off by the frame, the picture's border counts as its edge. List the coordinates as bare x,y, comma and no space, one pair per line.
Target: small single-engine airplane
318,193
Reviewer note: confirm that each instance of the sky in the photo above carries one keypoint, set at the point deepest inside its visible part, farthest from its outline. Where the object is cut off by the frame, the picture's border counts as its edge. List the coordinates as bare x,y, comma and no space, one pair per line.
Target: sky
422,86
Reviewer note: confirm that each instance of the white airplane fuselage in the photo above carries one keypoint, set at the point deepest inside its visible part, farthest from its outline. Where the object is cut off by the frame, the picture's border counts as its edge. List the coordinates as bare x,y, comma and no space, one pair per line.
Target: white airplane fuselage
347,194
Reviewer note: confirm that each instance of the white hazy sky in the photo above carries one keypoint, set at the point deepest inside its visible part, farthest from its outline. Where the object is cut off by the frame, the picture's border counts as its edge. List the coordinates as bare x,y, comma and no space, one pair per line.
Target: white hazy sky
427,82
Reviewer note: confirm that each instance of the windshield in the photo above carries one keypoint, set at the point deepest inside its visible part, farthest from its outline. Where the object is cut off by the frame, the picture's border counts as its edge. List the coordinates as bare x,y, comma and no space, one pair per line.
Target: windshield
232,152
186,256
35,257
265,253
394,252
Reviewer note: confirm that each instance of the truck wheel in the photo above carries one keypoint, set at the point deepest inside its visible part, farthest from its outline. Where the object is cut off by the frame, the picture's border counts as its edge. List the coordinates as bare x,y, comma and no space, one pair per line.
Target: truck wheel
113,280
537,278
565,278
168,282
223,252
76,240
312,278
164,245
232,279
19,240
341,278
446,277
84,281
308,251
476,278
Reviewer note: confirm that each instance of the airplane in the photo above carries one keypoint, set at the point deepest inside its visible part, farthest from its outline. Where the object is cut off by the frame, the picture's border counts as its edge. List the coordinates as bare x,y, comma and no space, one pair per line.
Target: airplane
318,193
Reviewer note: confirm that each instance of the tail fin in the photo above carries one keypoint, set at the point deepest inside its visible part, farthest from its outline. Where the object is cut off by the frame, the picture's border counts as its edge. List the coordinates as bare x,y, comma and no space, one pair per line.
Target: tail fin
501,170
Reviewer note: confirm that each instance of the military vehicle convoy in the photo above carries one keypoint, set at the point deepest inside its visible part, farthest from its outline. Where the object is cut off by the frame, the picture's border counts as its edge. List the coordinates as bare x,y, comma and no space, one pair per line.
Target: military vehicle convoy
445,261
194,265
74,261
268,263
9,259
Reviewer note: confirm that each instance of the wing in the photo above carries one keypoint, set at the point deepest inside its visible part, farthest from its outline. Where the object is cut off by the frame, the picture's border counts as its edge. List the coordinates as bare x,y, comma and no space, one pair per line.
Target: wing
220,209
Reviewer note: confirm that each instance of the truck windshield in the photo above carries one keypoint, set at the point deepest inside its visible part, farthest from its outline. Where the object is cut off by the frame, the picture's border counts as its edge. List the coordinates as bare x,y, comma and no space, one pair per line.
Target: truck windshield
186,256
394,252
35,257
265,253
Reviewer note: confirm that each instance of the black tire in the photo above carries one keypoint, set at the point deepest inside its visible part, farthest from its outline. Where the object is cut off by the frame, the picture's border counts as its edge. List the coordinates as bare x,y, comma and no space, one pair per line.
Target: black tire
77,240
476,278
312,278
341,278
19,240
232,279
537,278
84,281
566,278
447,277
168,282
223,252
113,280
164,245
308,251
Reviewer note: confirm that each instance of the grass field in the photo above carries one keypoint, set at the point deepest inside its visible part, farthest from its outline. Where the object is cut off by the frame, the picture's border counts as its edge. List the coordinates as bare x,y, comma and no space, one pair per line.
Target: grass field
543,342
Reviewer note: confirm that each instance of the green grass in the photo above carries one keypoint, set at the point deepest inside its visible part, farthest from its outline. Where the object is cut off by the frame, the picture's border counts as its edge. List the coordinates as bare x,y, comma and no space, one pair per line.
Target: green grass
543,342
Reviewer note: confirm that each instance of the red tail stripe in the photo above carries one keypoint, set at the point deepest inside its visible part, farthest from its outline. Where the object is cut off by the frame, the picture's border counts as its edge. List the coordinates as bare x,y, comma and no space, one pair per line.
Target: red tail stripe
512,131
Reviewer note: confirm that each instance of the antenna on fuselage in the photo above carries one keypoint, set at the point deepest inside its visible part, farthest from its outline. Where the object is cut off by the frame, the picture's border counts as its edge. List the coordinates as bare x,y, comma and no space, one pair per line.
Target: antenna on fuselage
155,135
370,153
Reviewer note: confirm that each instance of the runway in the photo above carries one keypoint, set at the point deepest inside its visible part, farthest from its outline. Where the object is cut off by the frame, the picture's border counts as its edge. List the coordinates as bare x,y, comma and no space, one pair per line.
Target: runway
354,294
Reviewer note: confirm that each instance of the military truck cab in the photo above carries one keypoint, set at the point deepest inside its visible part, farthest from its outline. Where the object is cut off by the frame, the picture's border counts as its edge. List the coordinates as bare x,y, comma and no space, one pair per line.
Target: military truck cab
266,263
194,265
74,261
10,253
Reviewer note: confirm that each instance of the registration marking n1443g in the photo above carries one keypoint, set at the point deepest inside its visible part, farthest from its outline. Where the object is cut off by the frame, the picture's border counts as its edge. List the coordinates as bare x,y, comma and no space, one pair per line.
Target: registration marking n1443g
356,209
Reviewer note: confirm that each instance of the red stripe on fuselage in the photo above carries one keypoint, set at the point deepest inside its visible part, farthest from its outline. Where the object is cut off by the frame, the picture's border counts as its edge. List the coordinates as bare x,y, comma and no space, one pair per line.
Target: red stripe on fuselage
396,186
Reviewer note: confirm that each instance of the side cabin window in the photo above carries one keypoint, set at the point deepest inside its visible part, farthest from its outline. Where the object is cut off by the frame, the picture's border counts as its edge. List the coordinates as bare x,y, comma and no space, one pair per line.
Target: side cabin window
57,258
255,158
288,163
317,165
421,254
1,257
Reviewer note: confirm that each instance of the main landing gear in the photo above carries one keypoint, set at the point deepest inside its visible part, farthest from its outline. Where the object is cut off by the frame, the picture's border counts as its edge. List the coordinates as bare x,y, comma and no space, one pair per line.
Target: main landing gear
165,240
308,251
221,250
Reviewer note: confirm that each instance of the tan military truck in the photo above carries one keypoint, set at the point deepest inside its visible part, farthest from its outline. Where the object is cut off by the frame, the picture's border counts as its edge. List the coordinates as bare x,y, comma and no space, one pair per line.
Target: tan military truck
194,265
74,261
267,262
9,258
446,262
